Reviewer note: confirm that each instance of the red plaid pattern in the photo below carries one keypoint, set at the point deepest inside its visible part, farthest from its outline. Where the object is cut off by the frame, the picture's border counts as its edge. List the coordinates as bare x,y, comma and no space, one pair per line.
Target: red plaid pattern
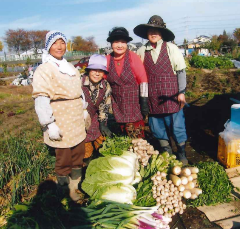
93,132
162,83
125,93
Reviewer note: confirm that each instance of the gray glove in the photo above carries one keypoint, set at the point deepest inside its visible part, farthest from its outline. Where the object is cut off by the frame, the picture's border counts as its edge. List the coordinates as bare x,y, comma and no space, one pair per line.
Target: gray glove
54,132
104,129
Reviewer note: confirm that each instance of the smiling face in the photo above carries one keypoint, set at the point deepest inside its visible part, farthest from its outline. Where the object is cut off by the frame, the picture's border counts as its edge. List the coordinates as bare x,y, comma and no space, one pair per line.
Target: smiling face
96,75
58,49
119,47
154,35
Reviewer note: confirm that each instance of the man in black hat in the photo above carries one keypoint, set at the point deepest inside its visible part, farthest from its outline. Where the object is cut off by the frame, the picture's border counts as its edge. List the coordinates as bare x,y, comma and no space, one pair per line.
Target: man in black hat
165,67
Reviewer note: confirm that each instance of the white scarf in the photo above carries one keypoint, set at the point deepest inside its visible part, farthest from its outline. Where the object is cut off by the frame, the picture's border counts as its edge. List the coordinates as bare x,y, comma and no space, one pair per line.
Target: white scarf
62,65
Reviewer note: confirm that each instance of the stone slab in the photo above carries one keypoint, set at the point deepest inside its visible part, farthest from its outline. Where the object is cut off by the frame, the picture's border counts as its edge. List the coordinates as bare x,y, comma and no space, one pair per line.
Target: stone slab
221,211
232,223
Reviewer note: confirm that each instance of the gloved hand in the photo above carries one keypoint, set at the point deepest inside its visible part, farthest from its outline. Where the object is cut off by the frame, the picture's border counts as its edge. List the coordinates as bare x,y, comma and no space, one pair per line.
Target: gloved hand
87,119
104,129
54,132
144,106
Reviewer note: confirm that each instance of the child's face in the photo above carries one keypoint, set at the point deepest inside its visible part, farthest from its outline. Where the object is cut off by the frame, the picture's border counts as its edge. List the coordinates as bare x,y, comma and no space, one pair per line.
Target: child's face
96,75
154,35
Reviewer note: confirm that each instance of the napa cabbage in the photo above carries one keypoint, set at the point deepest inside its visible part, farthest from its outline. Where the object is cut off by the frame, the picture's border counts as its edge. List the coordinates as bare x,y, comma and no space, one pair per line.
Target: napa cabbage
111,177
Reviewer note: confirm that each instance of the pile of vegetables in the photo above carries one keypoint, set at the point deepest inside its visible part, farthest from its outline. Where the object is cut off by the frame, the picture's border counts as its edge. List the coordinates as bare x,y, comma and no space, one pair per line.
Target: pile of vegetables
143,150
215,185
111,215
157,163
186,181
167,195
141,188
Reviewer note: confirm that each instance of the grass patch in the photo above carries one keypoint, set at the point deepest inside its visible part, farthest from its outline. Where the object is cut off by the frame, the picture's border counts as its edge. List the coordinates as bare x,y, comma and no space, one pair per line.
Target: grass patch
4,95
24,163
210,95
190,94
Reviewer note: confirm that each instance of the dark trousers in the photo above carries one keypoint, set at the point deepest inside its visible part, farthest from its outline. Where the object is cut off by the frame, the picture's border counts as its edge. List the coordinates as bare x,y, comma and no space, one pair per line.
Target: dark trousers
68,158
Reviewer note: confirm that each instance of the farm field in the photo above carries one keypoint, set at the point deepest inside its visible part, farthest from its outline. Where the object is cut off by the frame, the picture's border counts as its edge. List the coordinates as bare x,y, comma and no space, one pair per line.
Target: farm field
208,97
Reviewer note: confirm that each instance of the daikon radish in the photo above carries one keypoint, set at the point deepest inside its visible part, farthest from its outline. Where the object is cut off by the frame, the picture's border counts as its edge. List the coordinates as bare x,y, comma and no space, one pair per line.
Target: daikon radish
176,170
185,172
184,180
189,185
194,176
175,179
195,183
190,178
186,194
196,191
193,169
193,196
181,188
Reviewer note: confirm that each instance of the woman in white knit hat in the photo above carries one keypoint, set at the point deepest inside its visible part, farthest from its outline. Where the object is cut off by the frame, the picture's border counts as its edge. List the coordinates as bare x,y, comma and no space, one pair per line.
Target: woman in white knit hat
59,106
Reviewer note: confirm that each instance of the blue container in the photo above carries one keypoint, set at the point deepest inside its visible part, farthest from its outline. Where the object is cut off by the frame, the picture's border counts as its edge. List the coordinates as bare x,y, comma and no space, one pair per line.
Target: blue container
235,113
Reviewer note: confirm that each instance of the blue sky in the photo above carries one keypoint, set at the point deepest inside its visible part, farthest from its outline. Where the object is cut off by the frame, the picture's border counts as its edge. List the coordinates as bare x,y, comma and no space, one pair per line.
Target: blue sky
186,18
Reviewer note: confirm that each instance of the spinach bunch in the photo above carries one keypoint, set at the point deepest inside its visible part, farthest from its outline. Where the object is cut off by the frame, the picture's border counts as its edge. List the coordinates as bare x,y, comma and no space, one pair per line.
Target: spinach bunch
214,182
115,145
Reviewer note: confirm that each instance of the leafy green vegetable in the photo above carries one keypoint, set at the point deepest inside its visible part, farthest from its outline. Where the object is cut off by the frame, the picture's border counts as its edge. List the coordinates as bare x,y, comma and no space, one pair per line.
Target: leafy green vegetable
107,176
214,182
115,145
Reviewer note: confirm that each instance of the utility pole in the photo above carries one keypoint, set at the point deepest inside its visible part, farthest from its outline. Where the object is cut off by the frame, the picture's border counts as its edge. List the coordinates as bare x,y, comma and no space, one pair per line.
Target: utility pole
186,30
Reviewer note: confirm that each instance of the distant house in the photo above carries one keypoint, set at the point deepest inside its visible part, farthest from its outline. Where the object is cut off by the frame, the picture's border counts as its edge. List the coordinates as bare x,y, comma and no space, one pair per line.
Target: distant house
31,54
197,45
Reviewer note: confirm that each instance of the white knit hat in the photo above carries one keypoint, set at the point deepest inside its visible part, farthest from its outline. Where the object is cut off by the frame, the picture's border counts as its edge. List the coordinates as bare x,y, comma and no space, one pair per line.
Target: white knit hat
52,36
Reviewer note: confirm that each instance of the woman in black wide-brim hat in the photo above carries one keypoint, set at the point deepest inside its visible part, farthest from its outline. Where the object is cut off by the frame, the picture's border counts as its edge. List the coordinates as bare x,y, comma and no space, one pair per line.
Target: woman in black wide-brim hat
128,81
165,67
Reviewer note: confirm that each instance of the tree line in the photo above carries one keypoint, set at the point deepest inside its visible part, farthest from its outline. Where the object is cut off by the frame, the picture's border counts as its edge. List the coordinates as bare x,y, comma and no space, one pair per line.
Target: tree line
21,40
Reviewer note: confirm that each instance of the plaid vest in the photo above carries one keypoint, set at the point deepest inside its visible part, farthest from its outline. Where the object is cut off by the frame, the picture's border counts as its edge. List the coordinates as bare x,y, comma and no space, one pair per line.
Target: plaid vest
125,93
93,132
162,83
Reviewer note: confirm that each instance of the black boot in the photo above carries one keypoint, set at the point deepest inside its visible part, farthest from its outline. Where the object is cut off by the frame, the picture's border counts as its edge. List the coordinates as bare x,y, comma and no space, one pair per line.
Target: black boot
181,154
164,146
62,186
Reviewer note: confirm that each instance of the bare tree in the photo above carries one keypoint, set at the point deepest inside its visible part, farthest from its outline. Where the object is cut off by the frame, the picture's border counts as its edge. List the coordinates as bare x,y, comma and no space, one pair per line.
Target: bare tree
37,38
17,40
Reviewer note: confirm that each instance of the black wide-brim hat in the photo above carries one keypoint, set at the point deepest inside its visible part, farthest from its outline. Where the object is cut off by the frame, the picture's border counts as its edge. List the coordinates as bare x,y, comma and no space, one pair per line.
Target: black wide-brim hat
157,23
118,33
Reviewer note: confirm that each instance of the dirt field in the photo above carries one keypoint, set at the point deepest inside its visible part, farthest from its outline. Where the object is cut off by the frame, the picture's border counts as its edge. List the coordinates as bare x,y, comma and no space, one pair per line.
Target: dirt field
208,95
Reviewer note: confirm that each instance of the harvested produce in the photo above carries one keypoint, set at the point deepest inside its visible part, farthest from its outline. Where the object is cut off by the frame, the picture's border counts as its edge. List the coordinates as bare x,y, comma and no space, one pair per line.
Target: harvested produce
111,178
167,195
161,162
143,150
109,214
214,183
185,181
115,145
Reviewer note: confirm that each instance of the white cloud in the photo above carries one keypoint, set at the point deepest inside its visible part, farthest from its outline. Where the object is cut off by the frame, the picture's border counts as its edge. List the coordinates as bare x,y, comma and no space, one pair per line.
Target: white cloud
179,16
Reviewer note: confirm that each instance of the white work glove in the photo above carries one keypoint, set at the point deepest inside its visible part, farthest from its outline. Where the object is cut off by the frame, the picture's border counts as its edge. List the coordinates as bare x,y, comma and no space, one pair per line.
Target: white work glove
87,119
54,132
44,110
